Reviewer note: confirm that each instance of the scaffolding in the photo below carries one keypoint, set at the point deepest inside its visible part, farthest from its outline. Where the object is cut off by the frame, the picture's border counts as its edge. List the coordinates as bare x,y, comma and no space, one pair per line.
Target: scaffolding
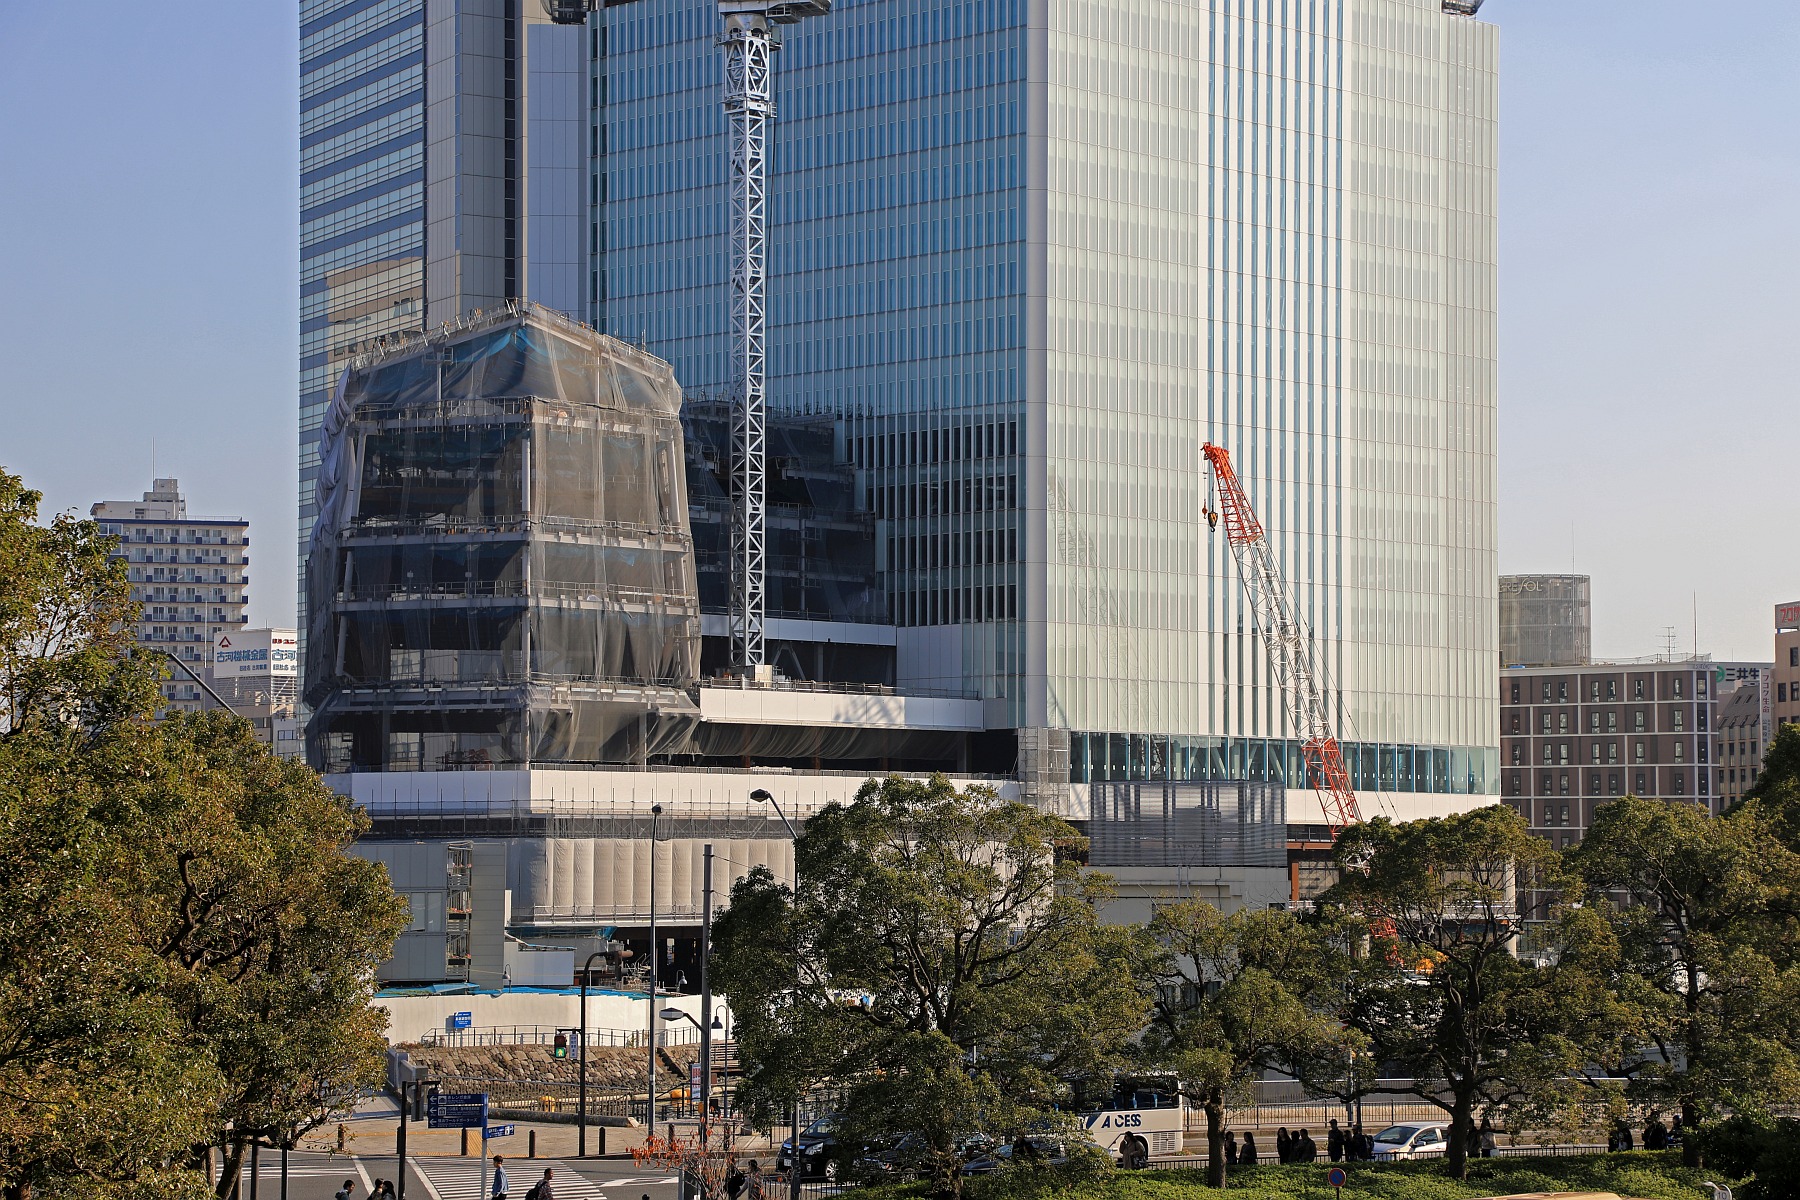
502,571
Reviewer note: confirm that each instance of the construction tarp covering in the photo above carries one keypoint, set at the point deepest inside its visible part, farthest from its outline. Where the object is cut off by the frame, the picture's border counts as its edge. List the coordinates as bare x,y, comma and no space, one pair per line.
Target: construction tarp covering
502,571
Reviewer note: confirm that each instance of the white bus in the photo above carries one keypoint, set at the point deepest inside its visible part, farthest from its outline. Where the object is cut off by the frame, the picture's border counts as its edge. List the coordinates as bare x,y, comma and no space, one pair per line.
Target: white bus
1140,1117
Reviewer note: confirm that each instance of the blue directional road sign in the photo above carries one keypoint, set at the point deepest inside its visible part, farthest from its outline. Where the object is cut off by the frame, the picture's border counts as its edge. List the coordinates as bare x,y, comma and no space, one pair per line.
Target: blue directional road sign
462,1020
457,1110
494,1131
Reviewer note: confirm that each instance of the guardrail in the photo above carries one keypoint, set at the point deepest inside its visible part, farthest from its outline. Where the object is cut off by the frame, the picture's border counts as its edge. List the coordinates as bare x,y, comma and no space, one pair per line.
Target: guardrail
672,1034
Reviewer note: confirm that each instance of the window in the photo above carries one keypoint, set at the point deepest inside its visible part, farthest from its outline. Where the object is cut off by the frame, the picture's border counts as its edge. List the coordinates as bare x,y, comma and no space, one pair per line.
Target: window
1568,839
1640,783
1594,753
1562,722
1637,689
1594,722
1637,720
1680,747
1515,691
1781,692
1562,689
1595,690
1562,752
1612,783
1546,751
1546,722
1612,722
1612,752
1517,753
1678,687
1562,789
1678,783
1794,656
1640,752
1546,791
1546,689
1612,689
1678,719
1594,784
1515,723
1516,788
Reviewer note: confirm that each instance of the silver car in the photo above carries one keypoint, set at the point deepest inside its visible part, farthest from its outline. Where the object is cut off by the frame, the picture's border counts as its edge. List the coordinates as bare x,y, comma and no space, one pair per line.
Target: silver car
1411,1141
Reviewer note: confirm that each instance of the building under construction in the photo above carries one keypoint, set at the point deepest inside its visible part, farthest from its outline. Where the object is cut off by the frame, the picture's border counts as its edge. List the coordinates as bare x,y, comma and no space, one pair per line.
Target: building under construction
501,572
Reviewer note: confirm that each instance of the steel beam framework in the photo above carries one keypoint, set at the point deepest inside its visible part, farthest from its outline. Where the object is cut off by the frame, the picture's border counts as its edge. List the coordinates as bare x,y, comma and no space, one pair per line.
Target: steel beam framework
750,105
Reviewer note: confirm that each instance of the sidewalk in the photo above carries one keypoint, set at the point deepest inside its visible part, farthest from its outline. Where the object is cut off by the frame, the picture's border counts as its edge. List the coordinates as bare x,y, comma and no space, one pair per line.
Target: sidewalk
371,1132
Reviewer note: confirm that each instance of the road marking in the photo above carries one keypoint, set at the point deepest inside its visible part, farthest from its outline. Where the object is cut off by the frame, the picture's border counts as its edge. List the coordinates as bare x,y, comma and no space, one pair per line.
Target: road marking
430,1188
368,1184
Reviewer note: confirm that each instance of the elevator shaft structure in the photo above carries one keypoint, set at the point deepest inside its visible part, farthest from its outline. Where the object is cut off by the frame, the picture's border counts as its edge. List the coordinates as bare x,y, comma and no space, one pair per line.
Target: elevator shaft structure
1288,641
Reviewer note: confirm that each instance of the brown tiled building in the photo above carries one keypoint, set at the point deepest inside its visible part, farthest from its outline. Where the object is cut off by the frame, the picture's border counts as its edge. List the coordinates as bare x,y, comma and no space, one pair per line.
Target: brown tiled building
1787,664
1572,738
1739,741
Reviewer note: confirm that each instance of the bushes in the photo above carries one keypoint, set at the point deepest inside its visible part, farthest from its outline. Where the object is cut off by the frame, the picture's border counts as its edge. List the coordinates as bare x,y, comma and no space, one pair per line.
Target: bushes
1653,1176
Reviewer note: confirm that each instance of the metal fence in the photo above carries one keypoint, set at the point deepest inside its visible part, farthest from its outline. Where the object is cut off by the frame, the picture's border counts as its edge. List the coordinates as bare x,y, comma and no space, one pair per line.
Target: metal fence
672,1034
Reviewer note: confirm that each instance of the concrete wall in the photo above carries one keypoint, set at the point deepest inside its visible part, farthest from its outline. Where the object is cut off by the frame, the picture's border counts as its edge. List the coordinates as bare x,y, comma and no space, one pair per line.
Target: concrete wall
412,1018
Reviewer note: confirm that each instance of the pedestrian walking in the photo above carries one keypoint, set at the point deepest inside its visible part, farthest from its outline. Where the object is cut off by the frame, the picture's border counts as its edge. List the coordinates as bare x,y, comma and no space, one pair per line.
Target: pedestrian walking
1656,1135
1305,1149
498,1192
1284,1146
1472,1143
1231,1149
1247,1156
1334,1142
541,1190
1362,1149
347,1192
754,1187
734,1181
1487,1138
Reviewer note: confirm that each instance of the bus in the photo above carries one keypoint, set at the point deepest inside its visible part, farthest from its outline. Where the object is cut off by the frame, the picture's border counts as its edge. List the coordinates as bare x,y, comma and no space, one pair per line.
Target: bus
1133,1117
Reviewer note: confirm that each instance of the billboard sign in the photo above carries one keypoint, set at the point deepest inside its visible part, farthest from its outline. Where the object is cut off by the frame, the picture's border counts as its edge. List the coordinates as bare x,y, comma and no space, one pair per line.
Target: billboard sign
255,653
1787,616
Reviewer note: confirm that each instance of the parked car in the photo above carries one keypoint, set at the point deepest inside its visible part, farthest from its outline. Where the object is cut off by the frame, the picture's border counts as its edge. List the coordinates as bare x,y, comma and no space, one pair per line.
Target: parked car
1046,1151
818,1149
905,1158
1411,1141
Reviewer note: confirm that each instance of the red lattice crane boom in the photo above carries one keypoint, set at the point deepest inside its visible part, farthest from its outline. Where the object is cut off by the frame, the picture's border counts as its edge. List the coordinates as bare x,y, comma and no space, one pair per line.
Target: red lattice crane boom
1288,641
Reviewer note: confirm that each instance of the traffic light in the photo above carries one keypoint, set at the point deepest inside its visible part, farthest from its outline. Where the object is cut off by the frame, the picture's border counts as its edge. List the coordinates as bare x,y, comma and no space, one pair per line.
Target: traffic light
560,1047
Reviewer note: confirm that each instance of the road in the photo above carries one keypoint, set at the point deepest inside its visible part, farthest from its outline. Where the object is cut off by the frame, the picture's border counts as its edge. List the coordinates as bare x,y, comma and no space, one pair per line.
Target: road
313,1175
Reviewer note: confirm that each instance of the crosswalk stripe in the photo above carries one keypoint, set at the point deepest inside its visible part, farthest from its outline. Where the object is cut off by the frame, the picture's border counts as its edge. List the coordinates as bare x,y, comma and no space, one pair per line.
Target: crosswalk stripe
463,1180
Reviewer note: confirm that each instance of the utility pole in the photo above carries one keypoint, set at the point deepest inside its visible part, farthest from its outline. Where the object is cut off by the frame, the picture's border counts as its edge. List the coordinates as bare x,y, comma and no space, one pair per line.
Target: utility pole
706,916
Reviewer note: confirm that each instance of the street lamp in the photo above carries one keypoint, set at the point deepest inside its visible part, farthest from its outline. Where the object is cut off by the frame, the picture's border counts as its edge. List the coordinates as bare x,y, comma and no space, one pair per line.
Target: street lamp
587,969
762,796
655,954
672,1014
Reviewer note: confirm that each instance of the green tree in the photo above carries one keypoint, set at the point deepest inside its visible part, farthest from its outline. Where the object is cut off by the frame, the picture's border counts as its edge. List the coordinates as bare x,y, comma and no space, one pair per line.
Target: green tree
1237,996
1449,1004
941,962
1703,966
186,948
270,929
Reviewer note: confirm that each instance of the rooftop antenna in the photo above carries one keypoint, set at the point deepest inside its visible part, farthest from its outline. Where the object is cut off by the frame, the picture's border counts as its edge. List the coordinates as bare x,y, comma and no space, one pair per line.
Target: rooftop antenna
1668,639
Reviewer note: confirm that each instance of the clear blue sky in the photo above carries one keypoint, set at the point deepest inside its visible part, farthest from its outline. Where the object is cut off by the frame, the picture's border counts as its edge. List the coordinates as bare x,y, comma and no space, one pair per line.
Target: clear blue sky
1649,272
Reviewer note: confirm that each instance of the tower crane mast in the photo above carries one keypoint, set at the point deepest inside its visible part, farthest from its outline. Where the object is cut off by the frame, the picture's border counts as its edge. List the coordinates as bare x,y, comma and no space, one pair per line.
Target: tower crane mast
749,40
1287,639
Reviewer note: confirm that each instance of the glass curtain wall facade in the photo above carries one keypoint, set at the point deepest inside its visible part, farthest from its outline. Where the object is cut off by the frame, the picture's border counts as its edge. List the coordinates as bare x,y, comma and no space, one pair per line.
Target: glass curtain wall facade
362,201
1033,255
1270,226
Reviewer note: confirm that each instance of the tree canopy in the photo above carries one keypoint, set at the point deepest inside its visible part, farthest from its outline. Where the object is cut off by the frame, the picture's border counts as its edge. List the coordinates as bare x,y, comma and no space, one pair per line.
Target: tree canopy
1450,1005
186,948
939,962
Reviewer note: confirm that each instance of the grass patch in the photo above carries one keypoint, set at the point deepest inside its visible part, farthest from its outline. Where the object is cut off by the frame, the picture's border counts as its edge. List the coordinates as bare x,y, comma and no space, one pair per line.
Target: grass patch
1652,1176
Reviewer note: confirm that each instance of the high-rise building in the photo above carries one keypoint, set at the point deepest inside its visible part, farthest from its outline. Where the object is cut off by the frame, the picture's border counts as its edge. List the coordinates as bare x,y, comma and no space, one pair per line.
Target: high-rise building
1545,621
189,573
1025,260
1033,256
